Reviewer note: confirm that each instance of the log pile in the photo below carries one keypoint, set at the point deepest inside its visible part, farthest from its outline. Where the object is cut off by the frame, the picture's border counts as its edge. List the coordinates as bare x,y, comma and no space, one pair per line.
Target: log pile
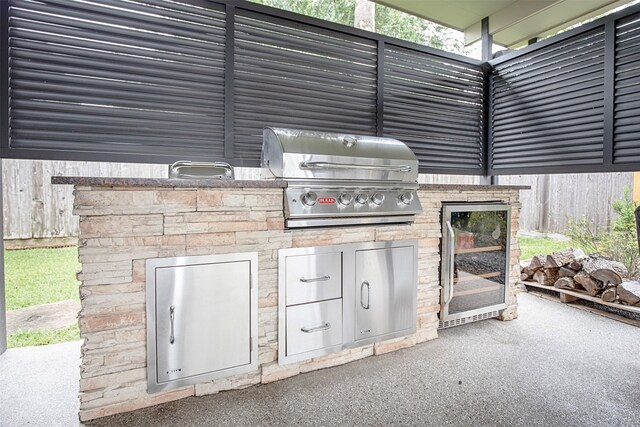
591,274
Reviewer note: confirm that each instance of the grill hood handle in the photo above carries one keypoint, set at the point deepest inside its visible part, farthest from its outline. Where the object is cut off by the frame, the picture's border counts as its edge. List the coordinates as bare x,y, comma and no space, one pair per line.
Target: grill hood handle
330,165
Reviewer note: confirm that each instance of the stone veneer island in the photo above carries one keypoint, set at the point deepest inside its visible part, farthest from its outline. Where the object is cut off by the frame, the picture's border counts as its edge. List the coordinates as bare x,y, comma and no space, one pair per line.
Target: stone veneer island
124,222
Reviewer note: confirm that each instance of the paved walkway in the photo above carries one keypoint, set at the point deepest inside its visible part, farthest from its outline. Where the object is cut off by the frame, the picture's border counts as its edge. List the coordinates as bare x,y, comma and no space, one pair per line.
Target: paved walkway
554,366
56,315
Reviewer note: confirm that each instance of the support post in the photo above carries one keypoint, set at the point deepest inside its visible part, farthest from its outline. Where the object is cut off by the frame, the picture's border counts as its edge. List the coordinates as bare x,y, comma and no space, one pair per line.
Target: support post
609,92
229,84
487,40
3,300
4,145
380,91
487,53
636,187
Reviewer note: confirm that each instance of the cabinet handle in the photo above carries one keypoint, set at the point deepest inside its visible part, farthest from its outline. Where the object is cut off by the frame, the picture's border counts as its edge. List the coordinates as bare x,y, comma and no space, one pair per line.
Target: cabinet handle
324,327
365,283
315,279
451,255
172,310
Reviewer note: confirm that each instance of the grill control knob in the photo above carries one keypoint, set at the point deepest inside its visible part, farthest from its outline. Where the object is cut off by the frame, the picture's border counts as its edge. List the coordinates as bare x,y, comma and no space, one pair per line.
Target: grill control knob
345,199
377,198
406,197
362,198
309,199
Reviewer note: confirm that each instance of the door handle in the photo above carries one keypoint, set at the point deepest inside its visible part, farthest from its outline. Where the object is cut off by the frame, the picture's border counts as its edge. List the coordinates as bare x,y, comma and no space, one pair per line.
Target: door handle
365,283
451,255
324,327
172,337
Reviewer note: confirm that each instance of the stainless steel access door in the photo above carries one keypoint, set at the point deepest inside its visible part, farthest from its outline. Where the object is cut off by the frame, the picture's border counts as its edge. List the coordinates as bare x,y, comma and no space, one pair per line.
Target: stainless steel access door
385,291
204,319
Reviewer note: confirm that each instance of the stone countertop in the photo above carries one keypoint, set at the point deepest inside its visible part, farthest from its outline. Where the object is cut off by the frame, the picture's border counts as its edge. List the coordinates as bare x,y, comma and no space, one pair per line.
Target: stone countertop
221,183
164,182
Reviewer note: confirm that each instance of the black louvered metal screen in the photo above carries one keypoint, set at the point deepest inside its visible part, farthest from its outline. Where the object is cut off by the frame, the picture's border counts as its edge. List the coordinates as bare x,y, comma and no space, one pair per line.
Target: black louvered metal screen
162,80
547,106
131,78
299,76
626,143
435,106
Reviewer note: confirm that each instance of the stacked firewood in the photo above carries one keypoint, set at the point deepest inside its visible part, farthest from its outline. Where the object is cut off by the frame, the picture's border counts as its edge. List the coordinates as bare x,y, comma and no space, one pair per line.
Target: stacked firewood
593,274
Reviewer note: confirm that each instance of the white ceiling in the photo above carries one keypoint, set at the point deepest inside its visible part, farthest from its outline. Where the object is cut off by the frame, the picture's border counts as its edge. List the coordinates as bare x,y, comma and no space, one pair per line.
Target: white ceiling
511,22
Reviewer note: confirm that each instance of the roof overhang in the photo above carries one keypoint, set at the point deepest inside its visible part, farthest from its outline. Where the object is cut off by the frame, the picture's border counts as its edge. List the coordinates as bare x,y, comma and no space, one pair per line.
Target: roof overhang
511,22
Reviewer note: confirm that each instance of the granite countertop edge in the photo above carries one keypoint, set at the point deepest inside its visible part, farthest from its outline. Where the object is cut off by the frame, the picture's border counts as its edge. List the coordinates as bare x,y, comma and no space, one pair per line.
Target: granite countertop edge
472,187
221,183
165,182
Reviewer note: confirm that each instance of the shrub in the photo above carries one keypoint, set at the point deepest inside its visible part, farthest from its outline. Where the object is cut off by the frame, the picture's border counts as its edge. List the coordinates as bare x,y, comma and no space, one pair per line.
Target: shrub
619,244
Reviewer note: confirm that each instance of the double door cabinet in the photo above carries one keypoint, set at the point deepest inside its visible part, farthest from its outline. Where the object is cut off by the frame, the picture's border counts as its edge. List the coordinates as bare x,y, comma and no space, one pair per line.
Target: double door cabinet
475,261
342,296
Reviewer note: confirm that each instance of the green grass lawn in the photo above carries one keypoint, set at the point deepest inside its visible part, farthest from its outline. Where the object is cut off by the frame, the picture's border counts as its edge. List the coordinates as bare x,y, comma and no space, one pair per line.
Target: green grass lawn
531,246
40,276
48,336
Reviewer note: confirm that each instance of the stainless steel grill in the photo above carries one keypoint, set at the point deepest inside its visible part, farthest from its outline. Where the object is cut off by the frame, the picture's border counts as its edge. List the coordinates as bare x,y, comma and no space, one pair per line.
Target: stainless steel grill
340,179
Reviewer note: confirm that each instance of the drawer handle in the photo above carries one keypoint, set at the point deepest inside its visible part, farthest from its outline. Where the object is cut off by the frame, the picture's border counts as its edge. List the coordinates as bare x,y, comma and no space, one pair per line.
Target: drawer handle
324,327
315,279
172,310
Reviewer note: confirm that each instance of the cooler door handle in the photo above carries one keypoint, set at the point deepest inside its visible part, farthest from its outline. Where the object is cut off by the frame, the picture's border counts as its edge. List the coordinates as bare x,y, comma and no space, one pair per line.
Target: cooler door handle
451,255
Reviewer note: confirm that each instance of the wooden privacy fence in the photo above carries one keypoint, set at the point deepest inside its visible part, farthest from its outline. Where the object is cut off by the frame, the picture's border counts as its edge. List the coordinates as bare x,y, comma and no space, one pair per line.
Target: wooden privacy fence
554,200
34,209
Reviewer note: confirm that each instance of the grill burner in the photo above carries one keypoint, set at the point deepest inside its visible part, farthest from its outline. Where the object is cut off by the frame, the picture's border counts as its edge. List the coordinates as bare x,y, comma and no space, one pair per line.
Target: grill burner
338,179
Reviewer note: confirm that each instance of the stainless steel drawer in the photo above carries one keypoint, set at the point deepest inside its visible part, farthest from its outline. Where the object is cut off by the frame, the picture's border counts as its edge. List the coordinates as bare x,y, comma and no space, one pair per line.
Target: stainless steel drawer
313,277
314,326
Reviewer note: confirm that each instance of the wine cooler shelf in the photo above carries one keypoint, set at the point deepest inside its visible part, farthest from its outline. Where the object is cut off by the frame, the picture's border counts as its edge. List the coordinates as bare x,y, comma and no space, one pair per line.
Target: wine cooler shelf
481,249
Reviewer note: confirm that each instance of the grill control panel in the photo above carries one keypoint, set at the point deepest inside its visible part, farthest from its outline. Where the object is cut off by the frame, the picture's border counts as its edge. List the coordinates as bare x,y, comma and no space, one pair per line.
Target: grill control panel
336,203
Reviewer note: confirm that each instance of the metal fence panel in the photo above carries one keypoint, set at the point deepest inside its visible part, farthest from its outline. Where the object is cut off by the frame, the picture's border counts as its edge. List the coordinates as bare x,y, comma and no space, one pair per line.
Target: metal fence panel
130,78
435,106
626,143
298,76
548,105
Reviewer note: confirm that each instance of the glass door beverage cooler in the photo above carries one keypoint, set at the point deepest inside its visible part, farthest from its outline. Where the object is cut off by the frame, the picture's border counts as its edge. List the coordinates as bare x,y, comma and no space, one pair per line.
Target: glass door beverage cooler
475,262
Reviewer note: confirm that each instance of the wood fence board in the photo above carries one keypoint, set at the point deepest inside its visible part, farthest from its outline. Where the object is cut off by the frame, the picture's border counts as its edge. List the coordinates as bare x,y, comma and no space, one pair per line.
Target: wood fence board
554,200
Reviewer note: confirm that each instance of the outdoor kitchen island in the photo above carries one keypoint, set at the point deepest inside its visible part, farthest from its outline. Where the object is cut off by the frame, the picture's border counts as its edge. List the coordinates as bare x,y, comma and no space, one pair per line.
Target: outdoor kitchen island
124,222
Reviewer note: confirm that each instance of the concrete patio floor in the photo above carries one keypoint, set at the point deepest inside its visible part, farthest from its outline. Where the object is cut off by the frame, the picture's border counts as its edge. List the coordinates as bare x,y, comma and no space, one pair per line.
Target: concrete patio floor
555,365
39,385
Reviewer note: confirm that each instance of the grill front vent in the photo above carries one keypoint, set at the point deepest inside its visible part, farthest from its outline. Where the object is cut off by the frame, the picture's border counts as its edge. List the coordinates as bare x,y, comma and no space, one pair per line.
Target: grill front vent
470,319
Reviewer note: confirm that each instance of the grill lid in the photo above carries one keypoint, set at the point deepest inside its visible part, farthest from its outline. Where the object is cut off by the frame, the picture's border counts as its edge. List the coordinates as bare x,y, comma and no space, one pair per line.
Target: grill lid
300,154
